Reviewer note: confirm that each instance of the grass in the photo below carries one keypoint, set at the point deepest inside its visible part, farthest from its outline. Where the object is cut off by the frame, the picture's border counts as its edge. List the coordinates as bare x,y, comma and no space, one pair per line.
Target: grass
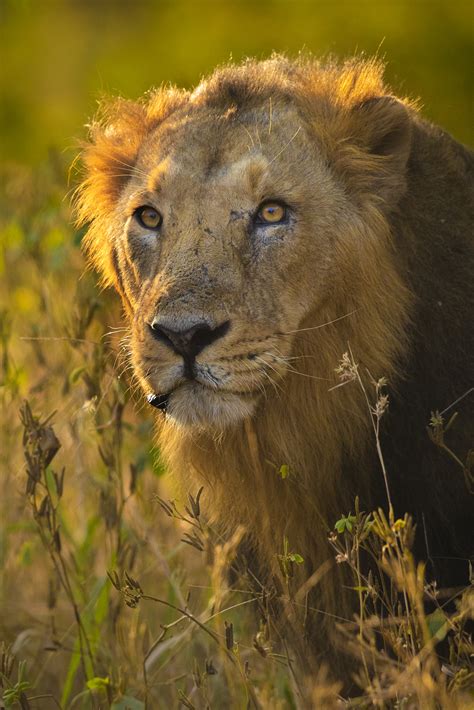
115,593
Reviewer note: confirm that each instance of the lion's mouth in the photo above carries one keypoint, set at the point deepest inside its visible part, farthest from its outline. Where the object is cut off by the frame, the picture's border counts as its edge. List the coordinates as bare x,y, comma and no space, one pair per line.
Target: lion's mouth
195,404
161,401
234,381
210,385
213,395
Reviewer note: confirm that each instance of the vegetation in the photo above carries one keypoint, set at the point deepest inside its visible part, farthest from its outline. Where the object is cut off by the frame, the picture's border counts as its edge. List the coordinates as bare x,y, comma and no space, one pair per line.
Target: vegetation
114,592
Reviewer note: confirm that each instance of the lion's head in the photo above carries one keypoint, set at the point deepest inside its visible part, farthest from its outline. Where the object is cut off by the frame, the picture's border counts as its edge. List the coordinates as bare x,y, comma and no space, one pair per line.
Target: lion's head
235,218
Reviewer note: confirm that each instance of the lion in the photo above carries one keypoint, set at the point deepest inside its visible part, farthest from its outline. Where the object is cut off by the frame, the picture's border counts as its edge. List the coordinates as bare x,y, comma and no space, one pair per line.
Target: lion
284,213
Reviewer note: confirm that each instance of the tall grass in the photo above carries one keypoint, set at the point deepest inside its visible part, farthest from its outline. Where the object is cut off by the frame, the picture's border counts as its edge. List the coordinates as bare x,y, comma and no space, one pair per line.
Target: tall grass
115,593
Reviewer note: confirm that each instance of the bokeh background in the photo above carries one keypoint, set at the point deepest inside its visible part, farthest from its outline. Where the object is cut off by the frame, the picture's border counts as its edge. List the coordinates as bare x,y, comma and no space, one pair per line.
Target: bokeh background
59,56
59,337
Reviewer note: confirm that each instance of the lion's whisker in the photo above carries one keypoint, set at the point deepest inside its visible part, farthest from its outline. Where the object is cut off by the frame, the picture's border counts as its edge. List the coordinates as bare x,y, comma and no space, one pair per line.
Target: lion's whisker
133,168
267,364
275,385
297,372
285,146
259,385
321,325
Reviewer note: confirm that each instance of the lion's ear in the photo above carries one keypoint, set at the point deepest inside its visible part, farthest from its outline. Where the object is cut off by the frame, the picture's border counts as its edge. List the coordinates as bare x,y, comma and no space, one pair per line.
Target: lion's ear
384,125
381,128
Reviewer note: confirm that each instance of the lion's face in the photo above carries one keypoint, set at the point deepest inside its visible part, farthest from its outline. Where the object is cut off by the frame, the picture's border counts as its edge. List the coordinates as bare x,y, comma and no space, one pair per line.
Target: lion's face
232,254
230,218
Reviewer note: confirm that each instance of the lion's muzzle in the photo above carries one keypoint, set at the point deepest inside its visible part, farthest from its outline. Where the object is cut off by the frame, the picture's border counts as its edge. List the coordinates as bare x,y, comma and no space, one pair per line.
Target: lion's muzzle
186,339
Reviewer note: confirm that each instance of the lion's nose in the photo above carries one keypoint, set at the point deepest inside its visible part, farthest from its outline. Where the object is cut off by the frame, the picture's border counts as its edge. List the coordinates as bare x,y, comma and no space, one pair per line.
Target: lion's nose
189,341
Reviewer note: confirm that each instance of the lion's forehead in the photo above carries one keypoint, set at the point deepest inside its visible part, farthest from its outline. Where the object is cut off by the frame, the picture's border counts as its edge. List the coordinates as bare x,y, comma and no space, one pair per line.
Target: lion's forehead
211,149
244,175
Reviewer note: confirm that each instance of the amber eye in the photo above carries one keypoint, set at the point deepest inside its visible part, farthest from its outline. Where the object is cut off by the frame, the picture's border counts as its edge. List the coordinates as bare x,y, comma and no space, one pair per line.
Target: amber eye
271,213
148,217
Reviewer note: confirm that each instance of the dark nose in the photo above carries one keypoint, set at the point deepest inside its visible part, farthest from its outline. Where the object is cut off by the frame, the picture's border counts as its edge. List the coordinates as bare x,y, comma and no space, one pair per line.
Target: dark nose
188,342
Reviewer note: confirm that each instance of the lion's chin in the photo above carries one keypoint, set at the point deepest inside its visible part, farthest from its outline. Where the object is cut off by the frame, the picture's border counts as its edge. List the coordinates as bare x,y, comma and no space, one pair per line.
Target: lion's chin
193,405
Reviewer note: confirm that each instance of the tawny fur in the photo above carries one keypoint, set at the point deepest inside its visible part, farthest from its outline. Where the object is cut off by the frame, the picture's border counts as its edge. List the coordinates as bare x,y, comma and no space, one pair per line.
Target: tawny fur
362,141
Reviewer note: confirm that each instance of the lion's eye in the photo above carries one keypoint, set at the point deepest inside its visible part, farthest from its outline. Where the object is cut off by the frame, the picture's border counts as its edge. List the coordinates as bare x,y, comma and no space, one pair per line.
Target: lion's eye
271,213
148,217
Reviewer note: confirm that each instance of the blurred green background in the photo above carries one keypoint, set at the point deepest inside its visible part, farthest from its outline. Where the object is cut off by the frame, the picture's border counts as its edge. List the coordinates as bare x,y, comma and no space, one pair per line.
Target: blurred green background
59,56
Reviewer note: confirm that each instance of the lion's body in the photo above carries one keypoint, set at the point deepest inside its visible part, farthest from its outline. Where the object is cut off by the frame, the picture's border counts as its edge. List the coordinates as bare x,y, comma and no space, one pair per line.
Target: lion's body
377,256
